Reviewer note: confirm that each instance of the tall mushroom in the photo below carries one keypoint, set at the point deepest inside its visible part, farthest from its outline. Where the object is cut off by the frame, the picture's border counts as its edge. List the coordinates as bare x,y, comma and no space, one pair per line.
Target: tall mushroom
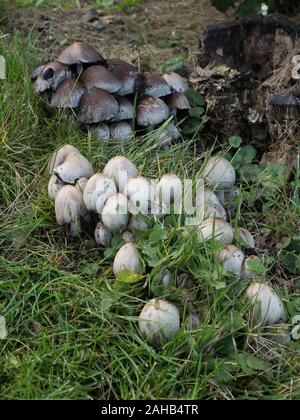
120,169
97,190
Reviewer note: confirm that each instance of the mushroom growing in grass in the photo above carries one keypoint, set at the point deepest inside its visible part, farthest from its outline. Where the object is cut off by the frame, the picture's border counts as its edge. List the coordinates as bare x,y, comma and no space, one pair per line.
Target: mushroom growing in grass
267,306
177,101
97,190
81,183
115,213
54,186
215,228
278,333
140,195
80,52
126,73
96,106
68,94
127,258
159,322
245,237
51,76
138,222
209,205
231,259
103,235
120,131
70,208
155,85
169,190
74,166
176,82
101,132
120,169
219,174
126,110
60,155
151,111
100,77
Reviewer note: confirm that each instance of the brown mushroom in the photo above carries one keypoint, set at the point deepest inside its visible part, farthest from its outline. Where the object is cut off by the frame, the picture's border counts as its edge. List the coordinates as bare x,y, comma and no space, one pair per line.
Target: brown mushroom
100,77
51,76
155,85
97,105
177,100
126,109
127,74
68,94
151,111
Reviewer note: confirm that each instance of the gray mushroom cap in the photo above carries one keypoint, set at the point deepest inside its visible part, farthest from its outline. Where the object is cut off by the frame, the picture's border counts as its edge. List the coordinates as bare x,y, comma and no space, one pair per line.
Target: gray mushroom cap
120,131
126,110
80,52
176,82
126,74
177,100
151,111
68,94
155,85
51,75
99,77
96,105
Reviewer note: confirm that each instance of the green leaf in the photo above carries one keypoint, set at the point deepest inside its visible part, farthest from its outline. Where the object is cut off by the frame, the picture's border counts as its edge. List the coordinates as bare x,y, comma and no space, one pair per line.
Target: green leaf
194,98
173,63
223,5
158,234
196,112
193,125
235,141
244,156
128,277
91,268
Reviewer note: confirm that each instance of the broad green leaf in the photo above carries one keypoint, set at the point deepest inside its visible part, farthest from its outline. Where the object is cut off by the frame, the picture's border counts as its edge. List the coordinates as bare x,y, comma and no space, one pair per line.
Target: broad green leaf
235,141
195,98
196,112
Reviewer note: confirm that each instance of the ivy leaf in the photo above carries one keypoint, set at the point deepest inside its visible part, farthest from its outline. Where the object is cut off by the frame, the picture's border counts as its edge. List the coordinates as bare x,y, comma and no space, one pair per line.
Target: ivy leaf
196,112
235,141
244,156
194,98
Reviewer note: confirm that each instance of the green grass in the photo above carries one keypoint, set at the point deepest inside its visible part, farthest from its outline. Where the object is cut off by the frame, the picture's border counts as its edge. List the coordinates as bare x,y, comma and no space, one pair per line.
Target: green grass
71,333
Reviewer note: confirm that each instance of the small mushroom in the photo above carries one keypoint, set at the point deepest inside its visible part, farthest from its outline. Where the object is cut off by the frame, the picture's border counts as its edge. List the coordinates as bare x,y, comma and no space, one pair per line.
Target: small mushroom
267,306
126,74
97,190
96,105
245,237
37,71
151,111
165,278
120,169
100,77
216,228
74,167
176,82
103,235
185,281
68,94
54,186
231,259
80,52
115,213
219,174
126,110
120,131
51,76
100,132
70,208
177,101
127,258
159,322
169,190
155,85
140,194
60,155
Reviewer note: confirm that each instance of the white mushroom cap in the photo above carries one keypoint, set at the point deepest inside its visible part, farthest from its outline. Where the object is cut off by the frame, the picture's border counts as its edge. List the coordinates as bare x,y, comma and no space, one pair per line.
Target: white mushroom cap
209,204
159,322
97,190
120,131
140,195
246,237
151,111
127,258
103,235
176,82
74,167
169,190
51,76
216,228
267,306
232,259
155,85
115,213
60,155
120,169
70,208
219,173
54,186
81,183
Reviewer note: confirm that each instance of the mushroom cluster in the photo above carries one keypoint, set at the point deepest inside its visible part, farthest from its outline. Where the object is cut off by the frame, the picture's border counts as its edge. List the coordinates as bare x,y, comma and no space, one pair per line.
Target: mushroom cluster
110,97
123,201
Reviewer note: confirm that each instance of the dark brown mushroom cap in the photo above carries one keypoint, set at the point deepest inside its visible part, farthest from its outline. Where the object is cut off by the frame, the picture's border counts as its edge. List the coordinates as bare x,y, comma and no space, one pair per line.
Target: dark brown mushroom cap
126,109
177,100
100,77
151,111
97,105
126,73
68,94
155,85
80,52
51,76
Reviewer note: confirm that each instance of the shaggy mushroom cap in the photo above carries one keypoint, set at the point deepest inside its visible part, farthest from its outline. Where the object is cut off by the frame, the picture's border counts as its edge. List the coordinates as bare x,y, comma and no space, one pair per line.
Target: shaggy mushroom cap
120,169
159,322
68,94
115,213
100,77
126,110
127,258
216,228
74,166
70,208
169,190
219,173
140,195
103,236
96,105
176,82
155,85
151,111
80,52
267,306
51,76
103,132
126,74
232,259
120,131
54,186
245,237
209,205
97,190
